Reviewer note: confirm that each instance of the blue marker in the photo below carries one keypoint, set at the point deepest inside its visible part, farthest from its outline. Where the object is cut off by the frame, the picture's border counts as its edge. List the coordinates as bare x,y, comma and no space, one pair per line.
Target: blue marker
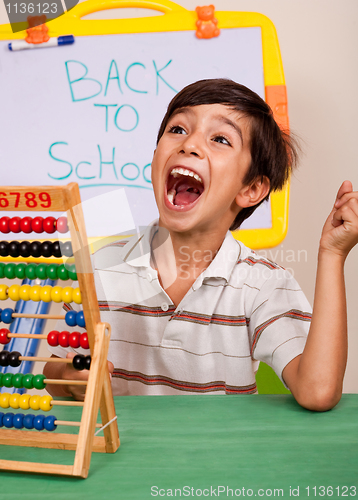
53,42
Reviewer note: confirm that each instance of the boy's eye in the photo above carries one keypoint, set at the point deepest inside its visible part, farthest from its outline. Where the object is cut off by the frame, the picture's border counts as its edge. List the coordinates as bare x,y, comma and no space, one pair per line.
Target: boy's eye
176,129
222,140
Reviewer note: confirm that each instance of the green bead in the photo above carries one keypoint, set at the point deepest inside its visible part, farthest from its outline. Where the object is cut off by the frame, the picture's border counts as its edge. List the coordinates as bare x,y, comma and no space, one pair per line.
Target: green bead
27,381
62,273
51,271
2,268
41,271
7,380
9,271
20,271
39,382
72,272
1,379
31,271
17,380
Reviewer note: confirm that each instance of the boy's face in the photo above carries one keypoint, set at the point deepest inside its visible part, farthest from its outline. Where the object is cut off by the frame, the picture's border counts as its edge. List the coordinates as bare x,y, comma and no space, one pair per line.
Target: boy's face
198,168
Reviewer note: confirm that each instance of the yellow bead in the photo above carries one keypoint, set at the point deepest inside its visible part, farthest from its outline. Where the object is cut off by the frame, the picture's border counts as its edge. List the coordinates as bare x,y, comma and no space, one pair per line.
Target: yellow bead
4,400
3,292
45,403
14,292
24,401
25,292
56,294
46,293
35,402
67,293
14,400
76,296
35,293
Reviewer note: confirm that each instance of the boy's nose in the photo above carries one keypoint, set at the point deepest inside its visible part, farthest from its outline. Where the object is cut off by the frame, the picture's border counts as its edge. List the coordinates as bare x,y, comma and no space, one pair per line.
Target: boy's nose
192,146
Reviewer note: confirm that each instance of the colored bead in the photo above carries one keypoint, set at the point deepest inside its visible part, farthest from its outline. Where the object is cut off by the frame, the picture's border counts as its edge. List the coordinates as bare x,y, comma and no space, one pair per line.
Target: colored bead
3,292
74,340
45,293
63,339
56,294
7,380
9,271
51,271
56,251
37,224
87,362
14,224
35,249
4,400
14,292
14,360
35,293
14,400
66,248
4,358
80,319
38,382
35,402
25,292
49,225
4,224
4,248
17,380
72,272
24,401
24,249
20,271
45,403
52,338
6,315
76,296
1,379
49,423
62,273
25,224
8,420
67,293
4,339
28,421
41,272
78,362
39,422
70,318
31,271
1,419
14,249
27,380
61,225
2,270
18,421
46,249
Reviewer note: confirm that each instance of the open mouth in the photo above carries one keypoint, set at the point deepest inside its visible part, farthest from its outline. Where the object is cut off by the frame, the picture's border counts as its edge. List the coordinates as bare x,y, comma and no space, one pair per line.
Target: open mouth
184,187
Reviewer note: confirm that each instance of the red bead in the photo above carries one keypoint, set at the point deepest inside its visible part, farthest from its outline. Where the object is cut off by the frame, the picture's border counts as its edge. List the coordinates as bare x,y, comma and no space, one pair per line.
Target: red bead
52,338
63,338
74,340
25,224
61,225
84,341
14,224
37,224
49,225
4,224
4,339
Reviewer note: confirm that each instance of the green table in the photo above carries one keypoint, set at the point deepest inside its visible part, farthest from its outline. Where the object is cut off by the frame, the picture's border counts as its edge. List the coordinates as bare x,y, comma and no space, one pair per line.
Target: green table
252,445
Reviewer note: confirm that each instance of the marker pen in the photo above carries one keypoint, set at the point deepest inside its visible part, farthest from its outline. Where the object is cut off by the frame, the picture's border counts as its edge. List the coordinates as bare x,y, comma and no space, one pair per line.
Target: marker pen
53,42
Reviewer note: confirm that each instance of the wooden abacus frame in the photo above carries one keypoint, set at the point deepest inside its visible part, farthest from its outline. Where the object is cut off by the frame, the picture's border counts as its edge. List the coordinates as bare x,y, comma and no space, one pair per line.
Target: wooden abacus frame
99,391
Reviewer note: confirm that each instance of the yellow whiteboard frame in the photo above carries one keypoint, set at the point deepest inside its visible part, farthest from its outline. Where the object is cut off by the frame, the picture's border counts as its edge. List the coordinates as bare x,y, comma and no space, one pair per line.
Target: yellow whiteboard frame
177,18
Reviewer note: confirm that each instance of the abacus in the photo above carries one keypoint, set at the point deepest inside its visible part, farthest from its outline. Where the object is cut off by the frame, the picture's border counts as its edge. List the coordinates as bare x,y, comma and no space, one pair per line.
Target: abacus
98,394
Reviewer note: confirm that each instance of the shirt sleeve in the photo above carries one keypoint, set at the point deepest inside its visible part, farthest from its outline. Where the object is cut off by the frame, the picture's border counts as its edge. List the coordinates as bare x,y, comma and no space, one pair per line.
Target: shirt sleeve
279,322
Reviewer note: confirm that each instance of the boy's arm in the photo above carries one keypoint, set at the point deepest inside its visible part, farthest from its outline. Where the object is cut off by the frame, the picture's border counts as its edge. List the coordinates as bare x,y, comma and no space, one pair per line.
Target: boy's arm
315,378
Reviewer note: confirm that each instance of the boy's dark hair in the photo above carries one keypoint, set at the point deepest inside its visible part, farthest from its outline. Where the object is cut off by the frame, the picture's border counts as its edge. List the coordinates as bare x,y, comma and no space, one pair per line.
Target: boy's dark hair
273,151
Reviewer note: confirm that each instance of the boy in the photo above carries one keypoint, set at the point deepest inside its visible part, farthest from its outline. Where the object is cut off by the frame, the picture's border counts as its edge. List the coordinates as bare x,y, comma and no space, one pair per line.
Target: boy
191,309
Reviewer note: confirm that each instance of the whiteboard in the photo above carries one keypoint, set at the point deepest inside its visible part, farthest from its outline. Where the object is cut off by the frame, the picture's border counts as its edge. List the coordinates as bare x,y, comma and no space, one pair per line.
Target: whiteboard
90,112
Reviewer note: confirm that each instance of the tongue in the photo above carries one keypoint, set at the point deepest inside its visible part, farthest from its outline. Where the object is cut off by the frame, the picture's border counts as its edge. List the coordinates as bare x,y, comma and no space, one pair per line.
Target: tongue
186,195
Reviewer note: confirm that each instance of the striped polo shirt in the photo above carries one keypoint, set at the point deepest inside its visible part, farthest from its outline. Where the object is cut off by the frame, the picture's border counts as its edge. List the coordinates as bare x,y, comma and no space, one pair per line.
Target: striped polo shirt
241,310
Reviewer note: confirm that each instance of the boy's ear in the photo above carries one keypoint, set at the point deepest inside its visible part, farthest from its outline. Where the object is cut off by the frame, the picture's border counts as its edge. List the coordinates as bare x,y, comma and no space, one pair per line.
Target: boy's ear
251,195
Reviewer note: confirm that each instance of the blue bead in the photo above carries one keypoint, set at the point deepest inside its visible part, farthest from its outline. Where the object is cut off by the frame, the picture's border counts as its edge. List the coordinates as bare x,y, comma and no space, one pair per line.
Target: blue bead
29,421
18,421
39,422
49,423
8,420
80,319
70,318
1,417
6,315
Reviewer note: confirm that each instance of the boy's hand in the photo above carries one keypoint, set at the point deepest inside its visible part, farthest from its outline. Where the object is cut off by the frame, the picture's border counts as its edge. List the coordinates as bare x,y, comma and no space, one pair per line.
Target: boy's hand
340,231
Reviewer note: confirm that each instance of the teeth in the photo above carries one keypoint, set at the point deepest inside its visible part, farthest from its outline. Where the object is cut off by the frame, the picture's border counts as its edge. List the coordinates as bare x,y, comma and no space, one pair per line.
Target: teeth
171,195
183,171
